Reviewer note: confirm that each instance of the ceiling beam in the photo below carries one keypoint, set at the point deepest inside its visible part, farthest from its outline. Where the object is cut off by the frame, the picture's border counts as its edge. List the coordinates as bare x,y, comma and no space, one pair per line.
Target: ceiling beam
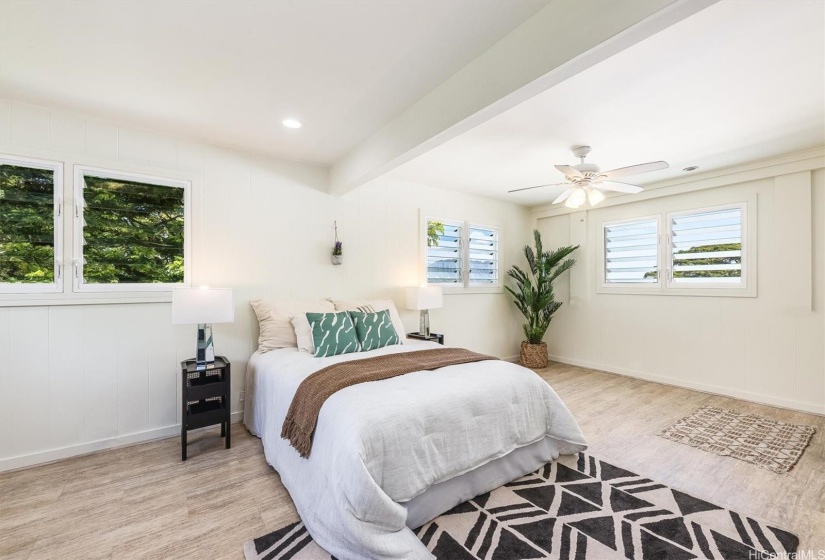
563,39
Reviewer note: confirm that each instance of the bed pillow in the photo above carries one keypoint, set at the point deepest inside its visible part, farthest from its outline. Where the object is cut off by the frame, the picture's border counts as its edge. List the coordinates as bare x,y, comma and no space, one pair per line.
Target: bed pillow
333,334
371,306
274,319
374,330
303,333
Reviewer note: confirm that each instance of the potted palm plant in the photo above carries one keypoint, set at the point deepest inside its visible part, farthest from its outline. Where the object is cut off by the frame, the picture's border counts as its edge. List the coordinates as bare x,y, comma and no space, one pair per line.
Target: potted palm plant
533,295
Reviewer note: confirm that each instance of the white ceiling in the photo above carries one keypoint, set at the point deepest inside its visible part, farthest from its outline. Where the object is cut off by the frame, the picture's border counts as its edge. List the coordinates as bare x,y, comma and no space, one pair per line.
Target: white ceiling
230,71
736,82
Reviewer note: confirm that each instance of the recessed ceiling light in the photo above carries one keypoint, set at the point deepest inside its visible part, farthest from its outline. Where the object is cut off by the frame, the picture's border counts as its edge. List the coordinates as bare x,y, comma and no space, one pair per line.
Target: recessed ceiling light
291,123
691,168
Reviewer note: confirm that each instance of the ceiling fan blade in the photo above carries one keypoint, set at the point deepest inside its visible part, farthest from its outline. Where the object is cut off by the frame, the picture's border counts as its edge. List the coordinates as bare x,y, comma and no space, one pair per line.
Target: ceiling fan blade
537,187
634,170
569,171
563,196
618,187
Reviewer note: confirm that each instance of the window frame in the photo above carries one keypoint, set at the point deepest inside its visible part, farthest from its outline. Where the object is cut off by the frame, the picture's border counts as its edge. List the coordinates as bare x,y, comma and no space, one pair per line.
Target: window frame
79,286
631,287
465,287
745,257
748,286
57,227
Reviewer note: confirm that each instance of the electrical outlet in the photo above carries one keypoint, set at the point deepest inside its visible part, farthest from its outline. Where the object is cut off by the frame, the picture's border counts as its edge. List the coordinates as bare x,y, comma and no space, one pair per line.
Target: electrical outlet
242,396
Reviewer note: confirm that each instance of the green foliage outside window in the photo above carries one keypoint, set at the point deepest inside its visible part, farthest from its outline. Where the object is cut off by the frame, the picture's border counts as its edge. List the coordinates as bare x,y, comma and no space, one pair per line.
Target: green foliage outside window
734,273
133,232
434,229
26,225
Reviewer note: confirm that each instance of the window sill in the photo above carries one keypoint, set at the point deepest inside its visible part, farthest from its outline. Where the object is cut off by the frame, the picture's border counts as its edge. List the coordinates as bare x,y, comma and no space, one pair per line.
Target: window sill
472,290
110,298
708,292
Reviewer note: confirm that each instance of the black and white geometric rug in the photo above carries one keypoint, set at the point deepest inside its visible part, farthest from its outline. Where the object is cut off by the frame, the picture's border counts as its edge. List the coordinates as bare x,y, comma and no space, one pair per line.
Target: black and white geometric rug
577,508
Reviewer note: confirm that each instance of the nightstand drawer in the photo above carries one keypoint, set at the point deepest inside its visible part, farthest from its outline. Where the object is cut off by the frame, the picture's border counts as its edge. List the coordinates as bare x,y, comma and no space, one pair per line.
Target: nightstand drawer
200,392
205,413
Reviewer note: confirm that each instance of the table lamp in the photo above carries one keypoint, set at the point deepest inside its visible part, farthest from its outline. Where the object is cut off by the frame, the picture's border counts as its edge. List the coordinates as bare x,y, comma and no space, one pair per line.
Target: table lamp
424,298
202,307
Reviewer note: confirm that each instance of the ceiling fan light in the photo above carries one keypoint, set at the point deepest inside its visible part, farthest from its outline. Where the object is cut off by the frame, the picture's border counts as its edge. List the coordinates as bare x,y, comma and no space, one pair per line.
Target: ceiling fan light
595,196
576,199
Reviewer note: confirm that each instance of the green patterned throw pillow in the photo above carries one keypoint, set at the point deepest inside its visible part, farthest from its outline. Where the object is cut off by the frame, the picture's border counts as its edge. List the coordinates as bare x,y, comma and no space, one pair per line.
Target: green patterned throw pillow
374,330
333,334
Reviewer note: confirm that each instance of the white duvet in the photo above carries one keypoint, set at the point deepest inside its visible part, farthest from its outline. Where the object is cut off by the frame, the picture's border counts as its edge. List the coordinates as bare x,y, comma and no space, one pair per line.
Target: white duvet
379,444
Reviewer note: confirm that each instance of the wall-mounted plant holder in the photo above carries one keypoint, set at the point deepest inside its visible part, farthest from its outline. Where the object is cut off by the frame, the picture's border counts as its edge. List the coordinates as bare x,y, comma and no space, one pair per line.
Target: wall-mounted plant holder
337,249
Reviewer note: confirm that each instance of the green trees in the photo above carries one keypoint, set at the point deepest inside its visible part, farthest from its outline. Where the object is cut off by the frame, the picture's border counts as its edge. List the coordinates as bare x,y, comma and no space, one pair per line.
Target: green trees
434,229
26,225
133,232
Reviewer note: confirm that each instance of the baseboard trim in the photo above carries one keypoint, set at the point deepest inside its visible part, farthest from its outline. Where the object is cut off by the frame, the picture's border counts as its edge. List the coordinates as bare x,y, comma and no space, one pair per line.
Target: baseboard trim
51,455
514,359
702,387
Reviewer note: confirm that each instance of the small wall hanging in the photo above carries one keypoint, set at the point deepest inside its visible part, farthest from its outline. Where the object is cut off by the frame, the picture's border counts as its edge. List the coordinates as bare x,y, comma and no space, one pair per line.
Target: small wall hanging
337,251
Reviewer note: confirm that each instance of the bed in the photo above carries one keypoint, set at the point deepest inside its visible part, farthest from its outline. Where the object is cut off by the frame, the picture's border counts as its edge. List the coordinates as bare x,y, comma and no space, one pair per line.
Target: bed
390,455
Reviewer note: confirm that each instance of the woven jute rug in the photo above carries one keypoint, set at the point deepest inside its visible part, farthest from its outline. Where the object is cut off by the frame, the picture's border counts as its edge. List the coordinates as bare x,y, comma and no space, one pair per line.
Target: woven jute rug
770,444
578,507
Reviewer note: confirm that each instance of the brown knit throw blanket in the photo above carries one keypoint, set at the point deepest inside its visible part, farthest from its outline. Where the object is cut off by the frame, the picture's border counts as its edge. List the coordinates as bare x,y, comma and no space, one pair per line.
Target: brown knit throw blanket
313,391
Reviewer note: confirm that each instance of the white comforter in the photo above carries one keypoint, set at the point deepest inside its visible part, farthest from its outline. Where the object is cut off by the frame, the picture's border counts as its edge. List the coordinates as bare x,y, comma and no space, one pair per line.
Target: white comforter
377,444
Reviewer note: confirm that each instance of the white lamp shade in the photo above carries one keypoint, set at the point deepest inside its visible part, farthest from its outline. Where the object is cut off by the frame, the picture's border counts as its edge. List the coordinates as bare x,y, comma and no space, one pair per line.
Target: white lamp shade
192,306
425,297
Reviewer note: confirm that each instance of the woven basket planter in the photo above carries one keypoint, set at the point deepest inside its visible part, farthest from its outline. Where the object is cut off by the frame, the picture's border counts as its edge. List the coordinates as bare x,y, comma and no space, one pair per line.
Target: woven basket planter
534,355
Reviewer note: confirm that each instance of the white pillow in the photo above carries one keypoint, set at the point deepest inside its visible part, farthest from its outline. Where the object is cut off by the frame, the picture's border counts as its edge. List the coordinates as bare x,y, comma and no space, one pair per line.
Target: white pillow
303,333
274,319
376,305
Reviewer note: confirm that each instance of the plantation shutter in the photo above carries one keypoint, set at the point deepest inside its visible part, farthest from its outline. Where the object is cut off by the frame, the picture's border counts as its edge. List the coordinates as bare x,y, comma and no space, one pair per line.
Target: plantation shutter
483,254
27,225
631,252
444,254
133,232
706,247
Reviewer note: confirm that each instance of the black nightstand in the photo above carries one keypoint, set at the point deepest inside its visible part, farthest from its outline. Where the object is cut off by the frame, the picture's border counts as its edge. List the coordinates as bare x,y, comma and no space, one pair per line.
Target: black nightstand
205,398
434,337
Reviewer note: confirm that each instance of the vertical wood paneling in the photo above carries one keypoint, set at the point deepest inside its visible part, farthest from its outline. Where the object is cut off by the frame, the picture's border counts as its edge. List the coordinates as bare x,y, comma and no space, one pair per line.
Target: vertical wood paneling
100,351
5,122
163,151
67,132
7,394
66,376
101,139
29,126
132,145
162,366
133,368
29,343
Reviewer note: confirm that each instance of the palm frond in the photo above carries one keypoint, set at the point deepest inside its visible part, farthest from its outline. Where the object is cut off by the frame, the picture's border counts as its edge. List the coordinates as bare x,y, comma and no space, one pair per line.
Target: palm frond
533,292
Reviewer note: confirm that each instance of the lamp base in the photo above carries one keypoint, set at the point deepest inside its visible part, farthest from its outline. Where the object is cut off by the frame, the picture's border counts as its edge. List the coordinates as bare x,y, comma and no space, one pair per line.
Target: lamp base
205,350
424,322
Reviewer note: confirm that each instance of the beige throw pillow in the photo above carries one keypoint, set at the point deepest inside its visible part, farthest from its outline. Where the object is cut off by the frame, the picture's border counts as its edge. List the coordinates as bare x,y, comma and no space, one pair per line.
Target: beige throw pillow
274,319
376,305
303,333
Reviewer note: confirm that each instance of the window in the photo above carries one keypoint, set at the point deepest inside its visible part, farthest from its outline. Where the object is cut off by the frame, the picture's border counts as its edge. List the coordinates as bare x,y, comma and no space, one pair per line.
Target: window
483,256
631,252
704,251
462,255
705,247
130,231
30,225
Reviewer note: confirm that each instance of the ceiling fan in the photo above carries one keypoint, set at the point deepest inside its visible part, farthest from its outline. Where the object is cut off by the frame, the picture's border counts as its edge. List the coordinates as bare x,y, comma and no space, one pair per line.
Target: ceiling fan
586,182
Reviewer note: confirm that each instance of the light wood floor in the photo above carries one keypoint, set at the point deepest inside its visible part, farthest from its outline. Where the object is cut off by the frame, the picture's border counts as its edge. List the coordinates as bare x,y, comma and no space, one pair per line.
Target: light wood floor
142,502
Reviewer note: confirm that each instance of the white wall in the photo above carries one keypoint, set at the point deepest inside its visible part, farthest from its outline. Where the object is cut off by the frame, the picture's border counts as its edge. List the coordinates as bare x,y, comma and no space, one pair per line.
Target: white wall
769,349
82,377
